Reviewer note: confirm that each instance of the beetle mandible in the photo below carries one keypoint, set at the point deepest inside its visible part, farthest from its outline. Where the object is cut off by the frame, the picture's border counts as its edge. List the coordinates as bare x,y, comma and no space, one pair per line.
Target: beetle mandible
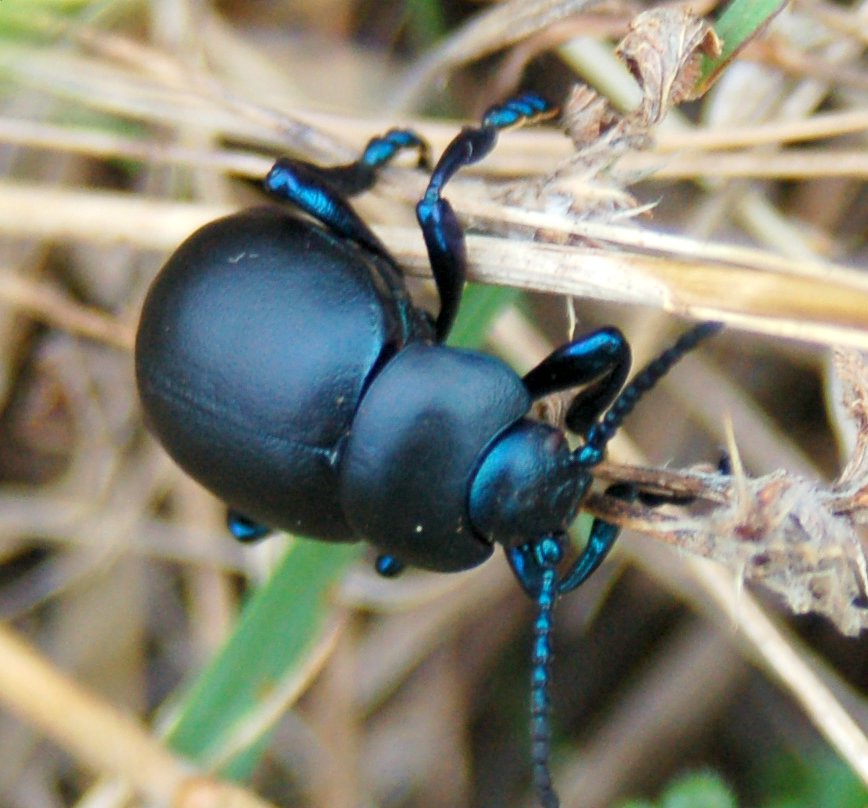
281,362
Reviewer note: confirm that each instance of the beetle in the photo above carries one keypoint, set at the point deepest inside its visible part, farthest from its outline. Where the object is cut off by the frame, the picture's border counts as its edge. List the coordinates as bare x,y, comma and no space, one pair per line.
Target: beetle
282,363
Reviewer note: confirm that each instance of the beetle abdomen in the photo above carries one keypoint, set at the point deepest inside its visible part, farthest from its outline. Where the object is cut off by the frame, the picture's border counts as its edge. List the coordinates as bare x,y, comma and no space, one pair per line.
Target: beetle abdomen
256,340
417,437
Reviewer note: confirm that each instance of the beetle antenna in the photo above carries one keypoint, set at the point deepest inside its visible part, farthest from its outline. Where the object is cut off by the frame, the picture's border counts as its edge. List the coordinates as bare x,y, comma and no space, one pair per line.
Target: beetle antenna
604,430
549,552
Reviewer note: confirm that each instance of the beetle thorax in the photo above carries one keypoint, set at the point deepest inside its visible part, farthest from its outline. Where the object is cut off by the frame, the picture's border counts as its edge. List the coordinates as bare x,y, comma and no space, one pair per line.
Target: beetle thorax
416,441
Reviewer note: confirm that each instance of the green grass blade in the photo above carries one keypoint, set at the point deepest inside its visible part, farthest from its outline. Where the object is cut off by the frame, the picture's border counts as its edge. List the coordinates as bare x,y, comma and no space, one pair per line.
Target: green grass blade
479,306
279,626
741,21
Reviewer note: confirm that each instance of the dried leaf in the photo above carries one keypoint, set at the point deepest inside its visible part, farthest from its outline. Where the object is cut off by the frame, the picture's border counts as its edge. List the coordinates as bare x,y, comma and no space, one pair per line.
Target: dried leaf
663,50
587,115
851,369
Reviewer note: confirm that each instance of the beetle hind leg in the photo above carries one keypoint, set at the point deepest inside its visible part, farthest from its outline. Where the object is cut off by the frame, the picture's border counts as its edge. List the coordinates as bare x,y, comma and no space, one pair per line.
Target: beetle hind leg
388,566
444,238
244,528
321,191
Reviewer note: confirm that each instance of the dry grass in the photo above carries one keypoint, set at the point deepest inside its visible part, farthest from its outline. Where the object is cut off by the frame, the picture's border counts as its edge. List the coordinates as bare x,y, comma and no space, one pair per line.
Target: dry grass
116,137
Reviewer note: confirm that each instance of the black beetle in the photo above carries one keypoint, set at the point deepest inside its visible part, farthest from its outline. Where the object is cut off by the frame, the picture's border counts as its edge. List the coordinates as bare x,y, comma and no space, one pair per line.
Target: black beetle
281,362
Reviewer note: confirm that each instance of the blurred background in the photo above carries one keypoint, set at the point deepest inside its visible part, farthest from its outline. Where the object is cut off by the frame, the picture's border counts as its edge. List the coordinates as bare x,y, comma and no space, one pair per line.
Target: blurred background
124,125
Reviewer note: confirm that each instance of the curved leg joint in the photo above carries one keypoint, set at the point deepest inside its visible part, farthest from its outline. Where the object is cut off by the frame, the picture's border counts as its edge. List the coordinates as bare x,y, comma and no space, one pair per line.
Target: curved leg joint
444,237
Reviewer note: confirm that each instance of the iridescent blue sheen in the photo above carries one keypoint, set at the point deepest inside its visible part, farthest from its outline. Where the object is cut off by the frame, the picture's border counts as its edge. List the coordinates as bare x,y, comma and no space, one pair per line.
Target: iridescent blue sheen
381,150
526,108
243,528
389,566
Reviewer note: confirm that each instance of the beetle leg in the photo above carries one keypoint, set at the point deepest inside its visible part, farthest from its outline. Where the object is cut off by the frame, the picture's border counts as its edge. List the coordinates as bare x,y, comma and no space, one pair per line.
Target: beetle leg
603,534
530,572
245,529
600,359
443,235
600,540
320,191
361,175
388,566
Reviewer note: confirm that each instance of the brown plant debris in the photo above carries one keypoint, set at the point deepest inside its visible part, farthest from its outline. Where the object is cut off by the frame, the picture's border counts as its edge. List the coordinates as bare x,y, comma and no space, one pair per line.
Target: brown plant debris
662,50
800,538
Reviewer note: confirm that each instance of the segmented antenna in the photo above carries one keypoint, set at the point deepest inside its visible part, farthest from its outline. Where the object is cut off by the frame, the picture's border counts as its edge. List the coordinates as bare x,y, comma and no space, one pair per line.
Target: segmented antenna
604,430
549,553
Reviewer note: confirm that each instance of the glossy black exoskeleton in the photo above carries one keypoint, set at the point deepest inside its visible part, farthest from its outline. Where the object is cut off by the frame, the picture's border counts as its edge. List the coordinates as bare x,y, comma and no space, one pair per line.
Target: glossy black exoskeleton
281,362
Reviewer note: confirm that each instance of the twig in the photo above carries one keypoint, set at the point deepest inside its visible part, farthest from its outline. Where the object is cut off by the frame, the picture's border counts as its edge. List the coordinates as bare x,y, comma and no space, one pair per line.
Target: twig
102,737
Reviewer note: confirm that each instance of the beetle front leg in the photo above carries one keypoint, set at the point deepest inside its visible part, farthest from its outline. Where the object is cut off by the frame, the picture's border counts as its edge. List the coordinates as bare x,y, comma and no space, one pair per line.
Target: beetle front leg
600,360
444,238
530,571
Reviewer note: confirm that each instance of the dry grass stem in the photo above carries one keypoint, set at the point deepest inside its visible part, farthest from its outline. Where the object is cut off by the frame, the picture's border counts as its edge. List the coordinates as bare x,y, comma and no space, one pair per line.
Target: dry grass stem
32,687
781,654
823,304
49,305
503,25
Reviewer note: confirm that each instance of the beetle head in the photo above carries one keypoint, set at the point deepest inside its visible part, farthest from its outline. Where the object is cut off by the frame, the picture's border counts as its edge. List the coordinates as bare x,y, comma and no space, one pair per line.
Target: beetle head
526,485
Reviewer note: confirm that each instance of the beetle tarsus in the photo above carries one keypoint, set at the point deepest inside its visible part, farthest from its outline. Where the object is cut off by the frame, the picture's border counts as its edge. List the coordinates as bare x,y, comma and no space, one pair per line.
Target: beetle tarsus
388,566
245,529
